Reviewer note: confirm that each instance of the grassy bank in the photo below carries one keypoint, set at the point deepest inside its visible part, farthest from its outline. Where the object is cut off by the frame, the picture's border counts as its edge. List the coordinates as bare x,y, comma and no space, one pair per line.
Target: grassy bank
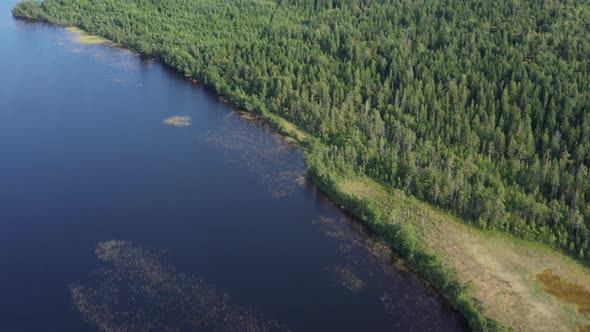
488,277
85,38
491,275
365,203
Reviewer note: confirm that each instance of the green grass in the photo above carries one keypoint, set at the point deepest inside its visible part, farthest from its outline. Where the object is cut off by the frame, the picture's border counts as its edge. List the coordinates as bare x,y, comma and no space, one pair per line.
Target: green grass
83,37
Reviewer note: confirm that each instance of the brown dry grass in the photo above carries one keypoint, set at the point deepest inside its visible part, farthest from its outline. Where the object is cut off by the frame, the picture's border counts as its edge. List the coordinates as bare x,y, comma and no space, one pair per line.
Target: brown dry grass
501,268
565,291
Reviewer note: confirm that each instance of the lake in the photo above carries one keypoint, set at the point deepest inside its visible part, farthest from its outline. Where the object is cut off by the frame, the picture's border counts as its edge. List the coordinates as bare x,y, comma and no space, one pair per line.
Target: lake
110,218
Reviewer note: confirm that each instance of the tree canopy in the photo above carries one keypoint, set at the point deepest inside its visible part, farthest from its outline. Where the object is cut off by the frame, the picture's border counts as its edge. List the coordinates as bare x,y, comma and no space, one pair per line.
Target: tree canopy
481,107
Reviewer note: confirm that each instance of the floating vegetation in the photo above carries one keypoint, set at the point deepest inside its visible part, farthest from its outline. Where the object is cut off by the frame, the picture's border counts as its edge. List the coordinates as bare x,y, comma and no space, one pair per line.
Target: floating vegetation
345,248
276,162
326,220
381,251
337,234
370,262
247,116
137,292
301,180
179,121
347,278
86,38
118,58
388,303
565,291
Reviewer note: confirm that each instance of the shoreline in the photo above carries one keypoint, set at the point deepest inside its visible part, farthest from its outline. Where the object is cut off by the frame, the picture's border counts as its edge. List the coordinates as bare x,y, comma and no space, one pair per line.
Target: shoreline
438,273
307,143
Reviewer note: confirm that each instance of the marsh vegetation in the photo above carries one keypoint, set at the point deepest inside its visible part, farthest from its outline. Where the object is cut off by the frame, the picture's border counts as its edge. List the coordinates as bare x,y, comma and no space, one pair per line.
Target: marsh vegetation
137,291
267,154
465,263
565,290
345,277
83,37
179,121
369,262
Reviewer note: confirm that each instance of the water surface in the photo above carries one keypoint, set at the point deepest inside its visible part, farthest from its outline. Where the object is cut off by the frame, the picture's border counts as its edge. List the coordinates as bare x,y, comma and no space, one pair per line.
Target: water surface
109,218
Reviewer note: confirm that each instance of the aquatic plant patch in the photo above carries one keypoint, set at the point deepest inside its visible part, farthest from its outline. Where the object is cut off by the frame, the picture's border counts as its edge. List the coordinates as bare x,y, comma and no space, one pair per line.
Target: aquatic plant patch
179,121
83,37
137,292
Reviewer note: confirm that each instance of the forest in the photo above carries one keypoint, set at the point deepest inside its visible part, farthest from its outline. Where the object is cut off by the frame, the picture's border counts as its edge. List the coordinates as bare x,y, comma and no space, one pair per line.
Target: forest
481,108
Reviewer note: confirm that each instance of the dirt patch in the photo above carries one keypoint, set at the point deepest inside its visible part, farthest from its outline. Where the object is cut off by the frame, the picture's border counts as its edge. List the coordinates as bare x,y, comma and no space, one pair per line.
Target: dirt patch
500,268
565,291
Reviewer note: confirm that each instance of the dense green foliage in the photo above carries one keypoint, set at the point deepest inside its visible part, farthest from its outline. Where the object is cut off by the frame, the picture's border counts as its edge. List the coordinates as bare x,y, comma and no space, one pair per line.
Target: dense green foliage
479,107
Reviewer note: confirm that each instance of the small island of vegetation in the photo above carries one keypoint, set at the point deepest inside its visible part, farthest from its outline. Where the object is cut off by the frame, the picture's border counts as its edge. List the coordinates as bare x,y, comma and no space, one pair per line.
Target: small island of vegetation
179,121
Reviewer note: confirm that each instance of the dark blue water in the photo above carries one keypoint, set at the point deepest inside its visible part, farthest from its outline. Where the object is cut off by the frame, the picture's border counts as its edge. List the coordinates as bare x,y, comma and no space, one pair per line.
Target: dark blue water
85,158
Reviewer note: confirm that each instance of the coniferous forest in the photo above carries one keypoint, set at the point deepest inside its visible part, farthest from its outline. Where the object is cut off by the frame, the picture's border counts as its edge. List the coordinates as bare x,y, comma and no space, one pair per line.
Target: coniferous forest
481,107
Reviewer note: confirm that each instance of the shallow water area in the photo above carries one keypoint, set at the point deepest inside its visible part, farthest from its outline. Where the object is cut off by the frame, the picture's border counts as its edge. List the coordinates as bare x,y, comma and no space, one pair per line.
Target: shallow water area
83,37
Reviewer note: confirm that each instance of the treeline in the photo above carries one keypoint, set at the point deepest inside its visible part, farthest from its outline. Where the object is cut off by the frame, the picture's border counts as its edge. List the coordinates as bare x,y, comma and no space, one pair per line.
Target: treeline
481,107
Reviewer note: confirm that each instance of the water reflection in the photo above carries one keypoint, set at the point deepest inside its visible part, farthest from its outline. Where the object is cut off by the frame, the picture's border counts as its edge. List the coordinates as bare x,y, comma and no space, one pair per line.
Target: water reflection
137,292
